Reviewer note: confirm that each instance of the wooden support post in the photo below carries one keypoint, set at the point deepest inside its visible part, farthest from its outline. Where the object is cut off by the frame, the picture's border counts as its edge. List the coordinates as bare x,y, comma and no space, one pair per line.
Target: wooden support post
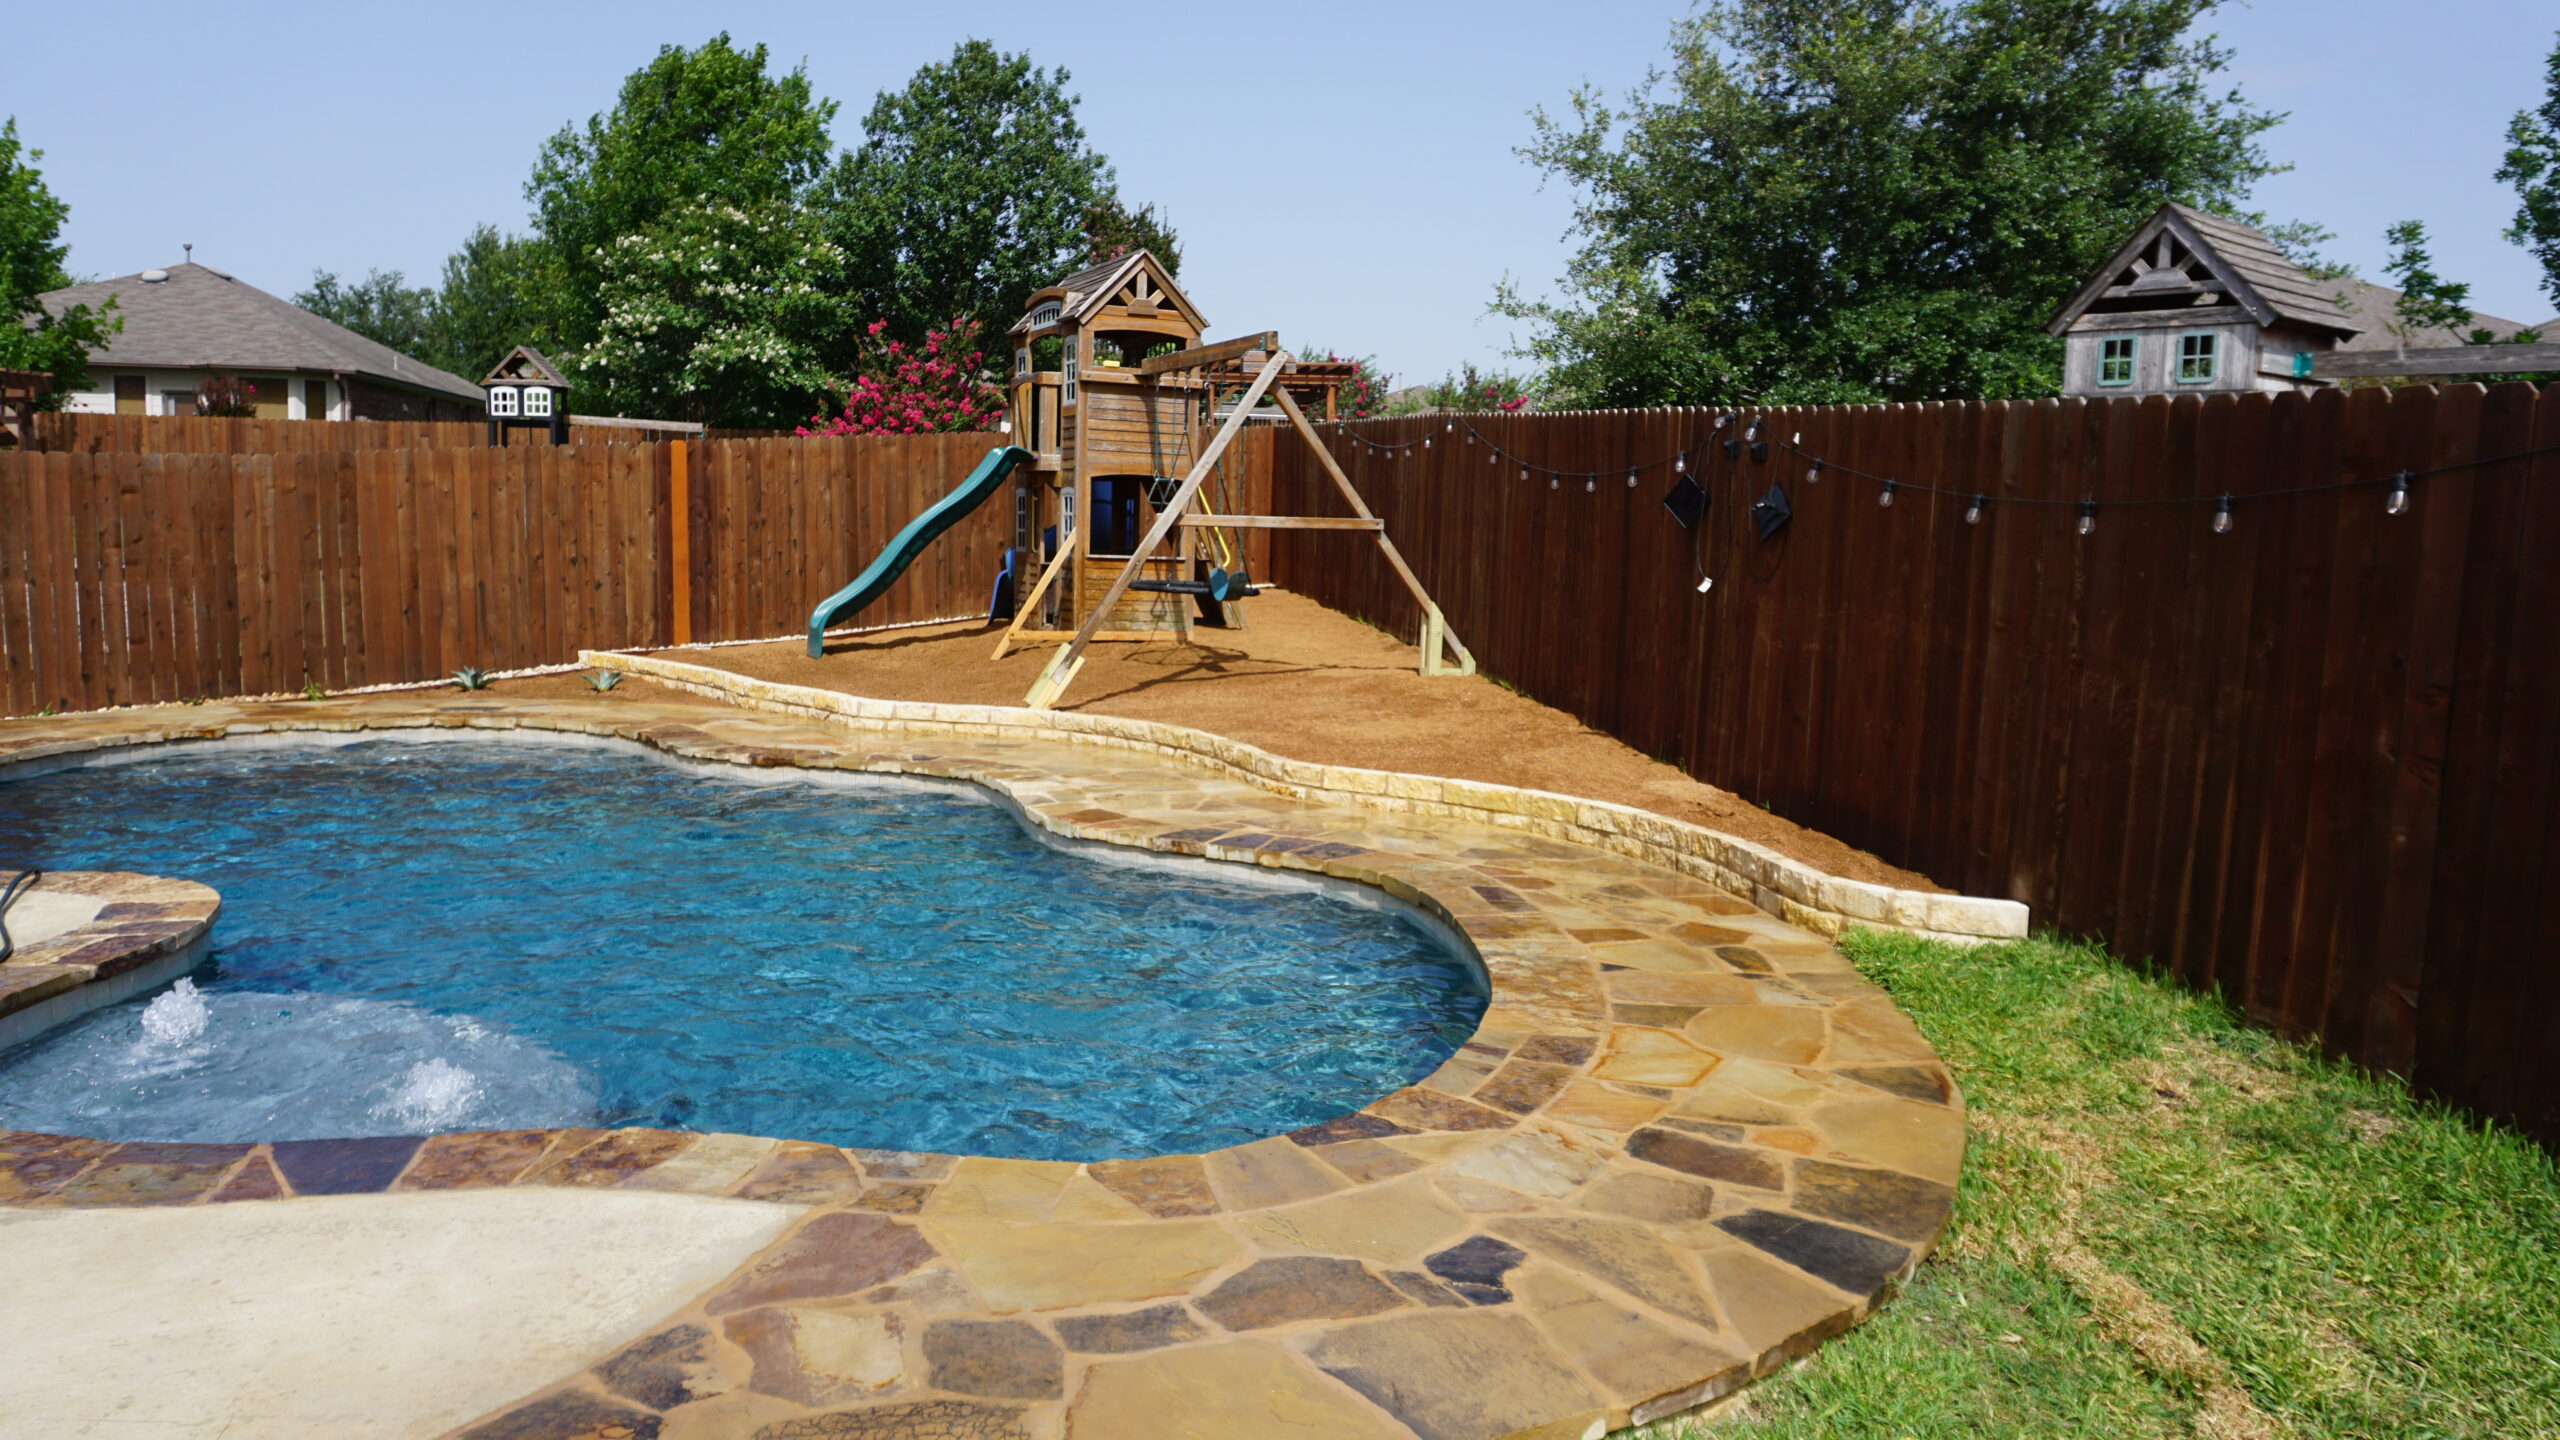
1030,606
680,541
1061,672
1435,627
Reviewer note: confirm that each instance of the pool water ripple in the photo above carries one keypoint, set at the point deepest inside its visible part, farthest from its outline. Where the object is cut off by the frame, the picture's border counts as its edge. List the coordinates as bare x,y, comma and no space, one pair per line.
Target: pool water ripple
481,934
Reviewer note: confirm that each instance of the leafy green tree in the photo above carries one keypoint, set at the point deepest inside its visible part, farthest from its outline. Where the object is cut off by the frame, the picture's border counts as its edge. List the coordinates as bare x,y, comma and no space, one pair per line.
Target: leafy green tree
1864,200
719,313
31,256
690,129
2533,166
381,307
1112,229
970,190
2427,300
499,291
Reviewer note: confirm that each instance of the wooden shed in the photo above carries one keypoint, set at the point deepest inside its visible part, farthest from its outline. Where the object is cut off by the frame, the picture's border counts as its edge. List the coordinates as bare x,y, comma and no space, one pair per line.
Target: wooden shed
2195,303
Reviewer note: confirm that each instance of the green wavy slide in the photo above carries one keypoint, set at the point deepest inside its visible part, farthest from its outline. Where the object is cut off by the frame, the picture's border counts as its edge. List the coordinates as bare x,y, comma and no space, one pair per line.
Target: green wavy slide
901,551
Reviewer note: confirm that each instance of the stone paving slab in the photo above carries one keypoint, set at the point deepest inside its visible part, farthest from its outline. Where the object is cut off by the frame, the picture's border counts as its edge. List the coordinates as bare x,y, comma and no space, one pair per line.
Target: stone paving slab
1686,1144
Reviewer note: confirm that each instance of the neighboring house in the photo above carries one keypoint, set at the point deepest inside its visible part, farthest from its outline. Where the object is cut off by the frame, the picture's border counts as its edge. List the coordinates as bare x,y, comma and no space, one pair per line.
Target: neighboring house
188,323
2195,303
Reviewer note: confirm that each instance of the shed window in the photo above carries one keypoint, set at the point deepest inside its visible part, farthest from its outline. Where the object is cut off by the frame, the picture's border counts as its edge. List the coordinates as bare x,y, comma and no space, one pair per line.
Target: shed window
502,400
537,400
2196,357
1069,397
2115,360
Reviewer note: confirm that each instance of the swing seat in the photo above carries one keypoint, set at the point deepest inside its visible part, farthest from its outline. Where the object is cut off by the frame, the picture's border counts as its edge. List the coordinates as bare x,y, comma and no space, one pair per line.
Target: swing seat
1222,585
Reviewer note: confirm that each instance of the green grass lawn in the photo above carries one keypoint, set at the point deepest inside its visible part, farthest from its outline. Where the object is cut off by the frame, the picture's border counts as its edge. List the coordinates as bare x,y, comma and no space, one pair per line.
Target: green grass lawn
2174,1224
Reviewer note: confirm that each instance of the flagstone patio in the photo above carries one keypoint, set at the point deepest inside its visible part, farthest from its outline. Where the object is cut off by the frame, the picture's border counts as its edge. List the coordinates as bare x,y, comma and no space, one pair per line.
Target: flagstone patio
1687,1143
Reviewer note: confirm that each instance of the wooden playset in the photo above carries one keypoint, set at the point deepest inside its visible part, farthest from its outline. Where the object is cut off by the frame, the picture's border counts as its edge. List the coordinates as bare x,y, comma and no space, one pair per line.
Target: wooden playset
1115,450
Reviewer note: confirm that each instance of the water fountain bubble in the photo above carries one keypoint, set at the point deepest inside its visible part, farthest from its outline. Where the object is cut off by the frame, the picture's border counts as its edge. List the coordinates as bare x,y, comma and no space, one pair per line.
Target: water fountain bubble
434,1094
175,1018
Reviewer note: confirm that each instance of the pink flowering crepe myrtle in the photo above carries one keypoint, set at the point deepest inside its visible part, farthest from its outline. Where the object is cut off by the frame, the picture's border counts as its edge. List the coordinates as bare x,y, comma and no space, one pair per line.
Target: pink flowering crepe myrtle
935,388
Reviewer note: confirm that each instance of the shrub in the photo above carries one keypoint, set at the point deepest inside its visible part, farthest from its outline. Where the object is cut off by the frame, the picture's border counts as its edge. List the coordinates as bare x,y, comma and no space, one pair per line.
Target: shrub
937,387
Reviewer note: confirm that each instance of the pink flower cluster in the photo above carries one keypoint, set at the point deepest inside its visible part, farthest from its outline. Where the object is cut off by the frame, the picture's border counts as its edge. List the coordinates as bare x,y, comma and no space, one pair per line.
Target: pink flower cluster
933,388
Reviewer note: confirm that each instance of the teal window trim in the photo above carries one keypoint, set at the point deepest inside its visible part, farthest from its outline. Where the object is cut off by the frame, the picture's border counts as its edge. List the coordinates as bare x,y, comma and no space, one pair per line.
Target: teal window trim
2212,357
2130,359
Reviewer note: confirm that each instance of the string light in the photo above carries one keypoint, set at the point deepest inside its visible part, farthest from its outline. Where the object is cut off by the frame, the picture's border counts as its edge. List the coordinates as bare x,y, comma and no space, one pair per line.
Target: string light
2222,516
1524,472
2088,517
1631,479
1680,465
1590,484
2398,501
1813,472
1973,512
1885,501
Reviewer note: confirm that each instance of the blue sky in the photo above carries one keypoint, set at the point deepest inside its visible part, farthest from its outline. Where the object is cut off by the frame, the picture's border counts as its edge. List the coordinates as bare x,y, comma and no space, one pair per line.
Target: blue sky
1377,221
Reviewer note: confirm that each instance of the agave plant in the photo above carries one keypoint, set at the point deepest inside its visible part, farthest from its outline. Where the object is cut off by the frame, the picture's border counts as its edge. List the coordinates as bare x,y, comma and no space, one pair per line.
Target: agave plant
601,680
471,677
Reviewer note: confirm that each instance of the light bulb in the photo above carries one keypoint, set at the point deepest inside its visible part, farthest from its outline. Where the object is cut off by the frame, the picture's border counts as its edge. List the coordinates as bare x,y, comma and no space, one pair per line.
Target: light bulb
1631,479
1813,472
1590,483
1680,466
1426,442
1524,472
2222,516
1884,501
1973,512
1555,482
1451,427
2398,503
2088,519
1492,456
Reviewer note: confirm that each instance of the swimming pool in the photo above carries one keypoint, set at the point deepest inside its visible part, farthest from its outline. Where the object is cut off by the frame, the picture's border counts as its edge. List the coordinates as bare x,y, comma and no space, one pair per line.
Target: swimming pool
480,934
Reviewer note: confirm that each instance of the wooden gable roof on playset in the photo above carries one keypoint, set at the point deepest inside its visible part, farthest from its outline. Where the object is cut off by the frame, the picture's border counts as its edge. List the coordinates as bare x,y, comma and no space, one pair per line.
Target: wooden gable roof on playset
2182,259
1133,288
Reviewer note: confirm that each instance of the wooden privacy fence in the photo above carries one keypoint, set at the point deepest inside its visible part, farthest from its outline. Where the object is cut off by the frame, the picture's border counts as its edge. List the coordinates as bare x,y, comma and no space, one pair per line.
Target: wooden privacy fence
135,579
204,434
2313,761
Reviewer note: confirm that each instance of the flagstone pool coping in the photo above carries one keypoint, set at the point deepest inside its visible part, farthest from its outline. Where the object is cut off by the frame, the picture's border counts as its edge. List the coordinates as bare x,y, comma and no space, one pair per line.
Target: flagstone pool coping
1785,887
1687,1143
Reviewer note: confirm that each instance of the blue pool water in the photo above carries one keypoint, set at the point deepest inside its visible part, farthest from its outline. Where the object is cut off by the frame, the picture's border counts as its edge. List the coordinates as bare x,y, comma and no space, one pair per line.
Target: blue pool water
478,935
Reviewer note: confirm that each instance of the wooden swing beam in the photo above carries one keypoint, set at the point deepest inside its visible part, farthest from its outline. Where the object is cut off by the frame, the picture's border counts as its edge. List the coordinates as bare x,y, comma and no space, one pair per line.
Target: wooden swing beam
1061,670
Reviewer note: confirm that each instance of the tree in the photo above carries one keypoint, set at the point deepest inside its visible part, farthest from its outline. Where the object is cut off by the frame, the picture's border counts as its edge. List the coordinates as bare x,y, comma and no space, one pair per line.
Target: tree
2533,167
719,313
970,190
31,256
1862,200
381,307
692,128
937,386
2427,300
1112,229
499,291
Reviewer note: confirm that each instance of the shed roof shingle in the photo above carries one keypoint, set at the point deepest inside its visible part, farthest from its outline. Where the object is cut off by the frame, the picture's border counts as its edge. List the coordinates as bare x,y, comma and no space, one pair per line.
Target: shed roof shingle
202,319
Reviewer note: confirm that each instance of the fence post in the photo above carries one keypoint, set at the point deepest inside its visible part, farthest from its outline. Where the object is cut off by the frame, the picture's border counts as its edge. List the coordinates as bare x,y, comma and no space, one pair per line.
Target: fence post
680,542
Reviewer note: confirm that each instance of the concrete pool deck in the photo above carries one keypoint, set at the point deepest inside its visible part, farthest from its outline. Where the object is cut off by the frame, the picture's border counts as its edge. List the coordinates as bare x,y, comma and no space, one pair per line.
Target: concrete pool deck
1686,1144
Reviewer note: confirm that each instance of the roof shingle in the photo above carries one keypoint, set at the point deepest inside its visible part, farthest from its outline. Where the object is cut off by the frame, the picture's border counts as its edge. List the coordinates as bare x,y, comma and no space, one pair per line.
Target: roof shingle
202,319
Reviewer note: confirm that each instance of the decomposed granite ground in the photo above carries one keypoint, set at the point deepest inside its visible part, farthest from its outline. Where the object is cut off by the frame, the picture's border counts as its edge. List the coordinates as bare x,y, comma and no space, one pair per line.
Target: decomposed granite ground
1687,1143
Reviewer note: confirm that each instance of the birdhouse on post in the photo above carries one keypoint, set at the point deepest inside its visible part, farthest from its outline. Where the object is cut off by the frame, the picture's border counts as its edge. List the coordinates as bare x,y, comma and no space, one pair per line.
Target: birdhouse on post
527,389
